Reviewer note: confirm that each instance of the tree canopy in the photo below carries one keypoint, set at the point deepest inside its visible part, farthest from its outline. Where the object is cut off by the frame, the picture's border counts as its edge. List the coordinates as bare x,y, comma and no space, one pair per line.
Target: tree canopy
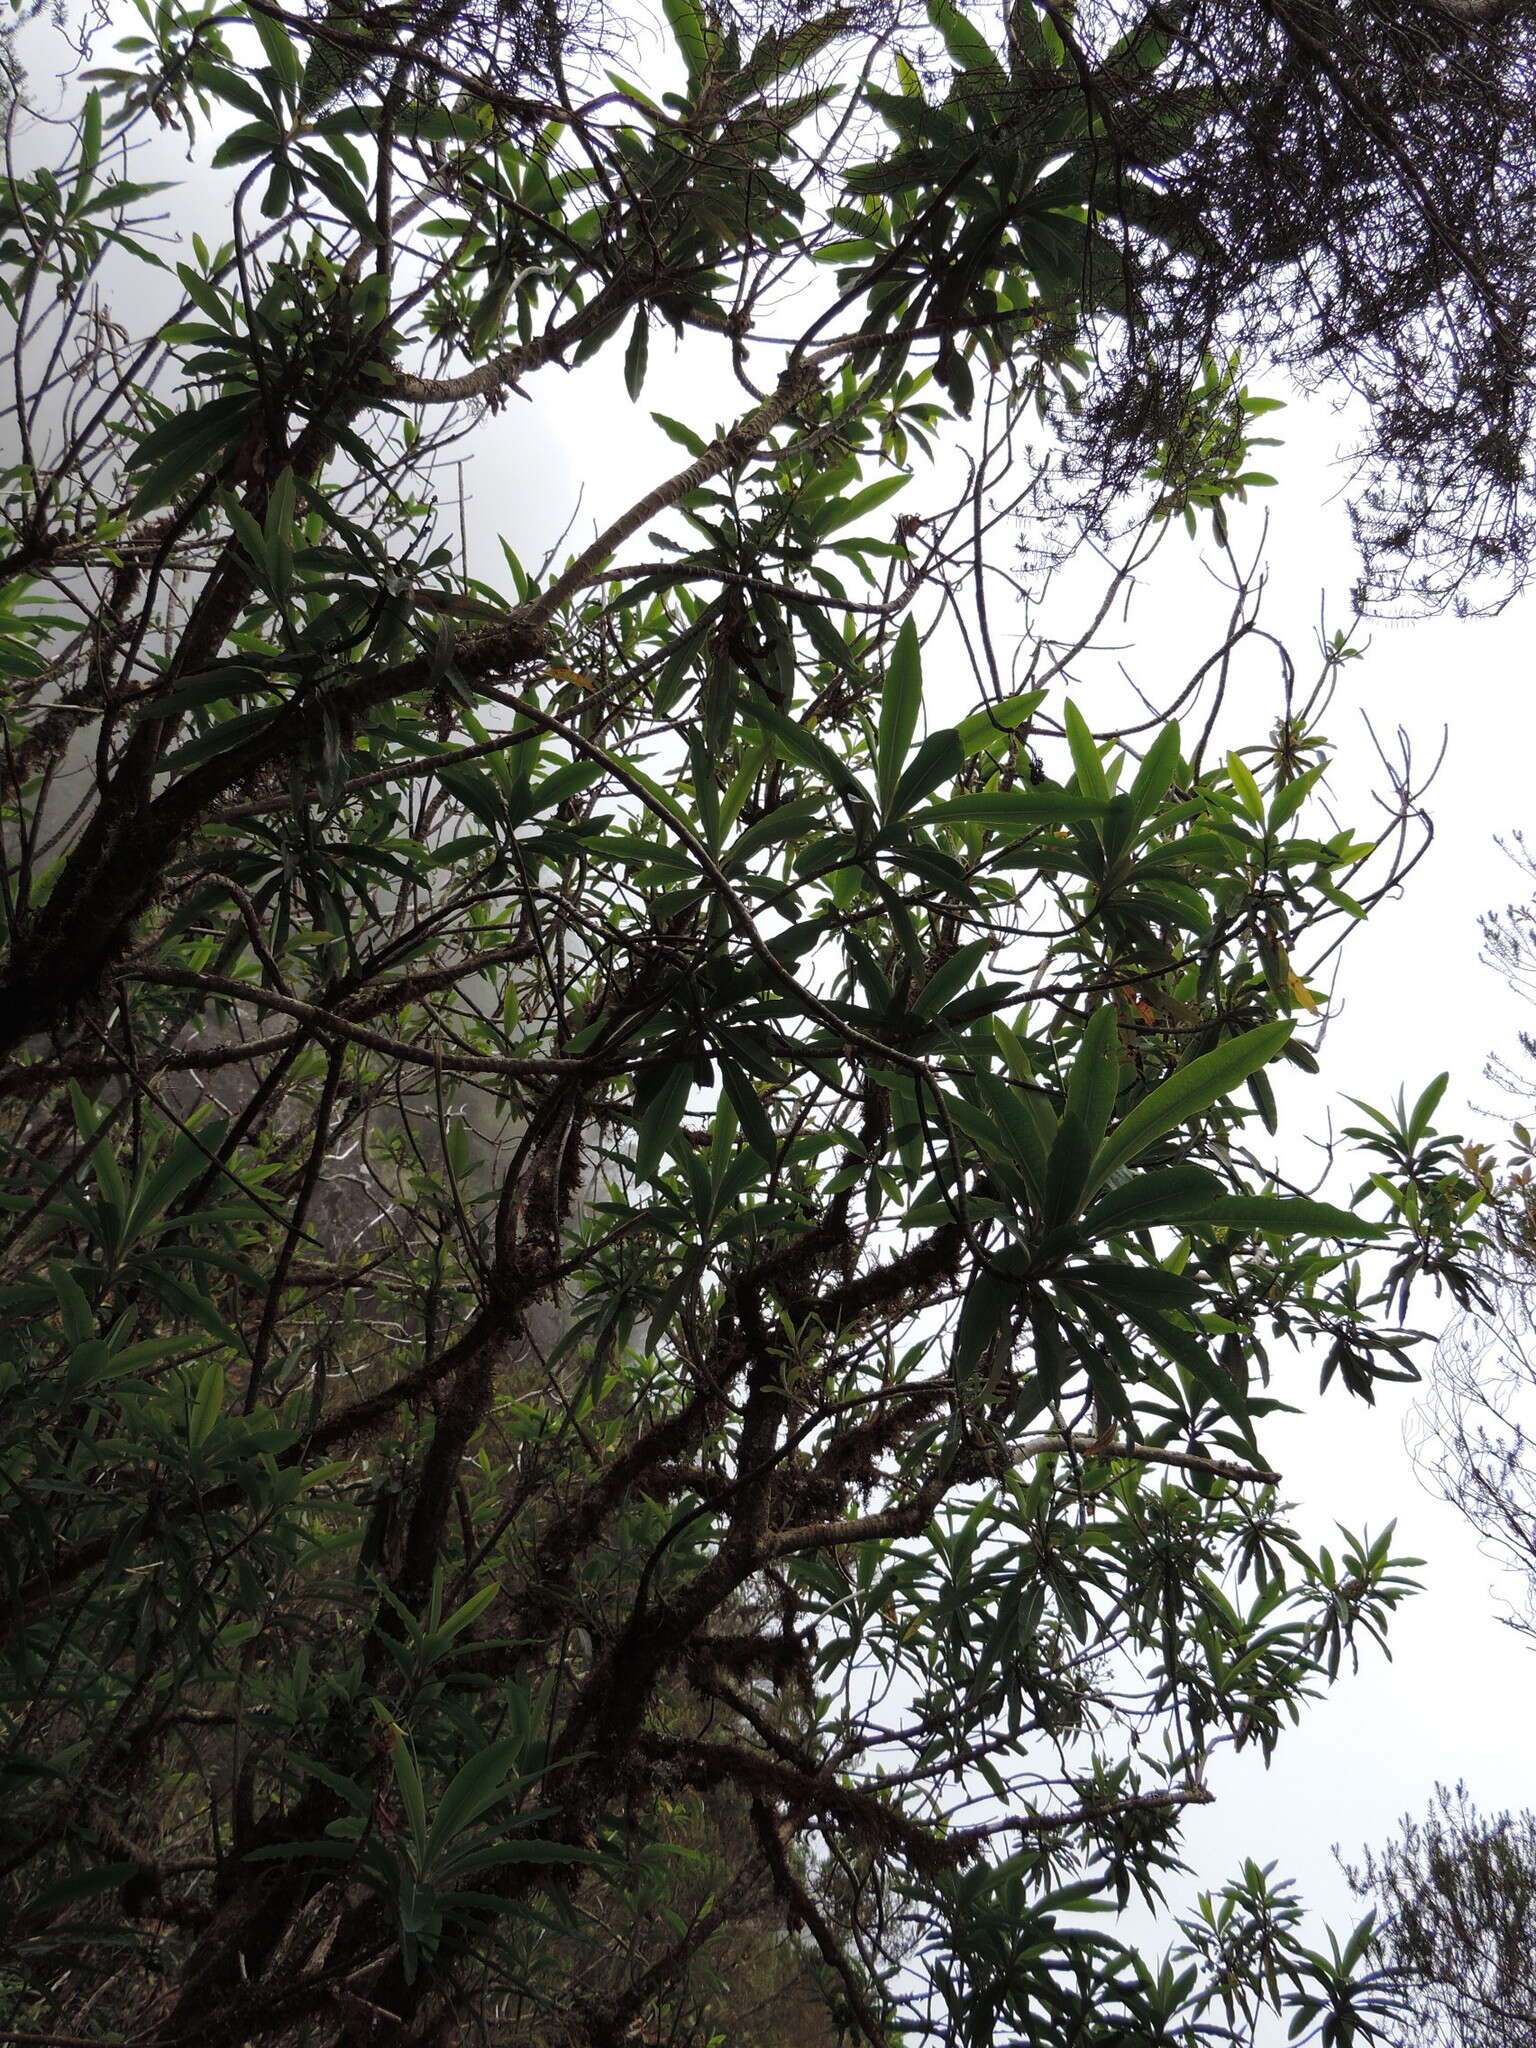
1476,1420
1456,1895
642,1253
1454,1892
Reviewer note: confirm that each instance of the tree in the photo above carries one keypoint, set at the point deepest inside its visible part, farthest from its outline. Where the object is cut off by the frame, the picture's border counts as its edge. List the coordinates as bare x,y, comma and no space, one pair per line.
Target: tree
1476,1419
1457,1901
640,1269
1455,1893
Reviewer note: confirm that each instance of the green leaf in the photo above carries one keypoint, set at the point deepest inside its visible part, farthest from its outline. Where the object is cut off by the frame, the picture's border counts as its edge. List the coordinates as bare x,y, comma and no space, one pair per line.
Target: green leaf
206,1404
690,32
1170,1195
408,1784
661,1118
87,1884
1293,1215
795,742
472,1791
1015,810
939,759
1290,799
95,1362
783,823
1262,1096
280,51
685,437
1190,1354
256,139
900,702
636,353
75,1310
966,44
1186,1094
1190,1195
1067,1170
994,723
756,1126
462,1617
88,1363
783,50
1247,790
1156,772
1012,1114
1095,1078
225,736
229,683
1134,1287
1424,1109
525,1851
954,975
562,783
985,1314
844,511
90,152
1086,759
349,196
830,643
179,449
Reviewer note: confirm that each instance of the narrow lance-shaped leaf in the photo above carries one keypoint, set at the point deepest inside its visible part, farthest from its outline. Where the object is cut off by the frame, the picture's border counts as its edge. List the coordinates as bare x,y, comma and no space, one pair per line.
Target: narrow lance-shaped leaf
843,512
1156,772
1067,1169
1294,1215
1186,1094
661,1117
900,701
408,1785
1091,779
474,1789
206,1403
939,759
690,31
795,742
1014,810
635,355
1095,1080
1167,1196
1091,1090
1185,1195
966,44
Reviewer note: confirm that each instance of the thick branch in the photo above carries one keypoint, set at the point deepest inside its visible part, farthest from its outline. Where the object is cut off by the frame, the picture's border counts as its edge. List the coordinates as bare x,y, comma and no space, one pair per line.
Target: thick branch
803,1909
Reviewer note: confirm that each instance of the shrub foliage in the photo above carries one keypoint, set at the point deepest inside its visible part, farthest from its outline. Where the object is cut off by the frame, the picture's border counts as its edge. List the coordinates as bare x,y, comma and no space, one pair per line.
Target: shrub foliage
638,1269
